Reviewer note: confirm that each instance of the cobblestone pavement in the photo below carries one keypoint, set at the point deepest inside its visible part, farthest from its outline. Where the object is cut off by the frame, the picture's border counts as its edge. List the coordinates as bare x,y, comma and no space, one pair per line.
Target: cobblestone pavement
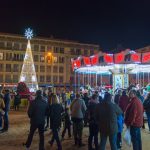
19,127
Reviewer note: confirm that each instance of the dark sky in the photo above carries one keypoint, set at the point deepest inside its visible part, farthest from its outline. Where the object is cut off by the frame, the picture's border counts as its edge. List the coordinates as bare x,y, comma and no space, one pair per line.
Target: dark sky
108,23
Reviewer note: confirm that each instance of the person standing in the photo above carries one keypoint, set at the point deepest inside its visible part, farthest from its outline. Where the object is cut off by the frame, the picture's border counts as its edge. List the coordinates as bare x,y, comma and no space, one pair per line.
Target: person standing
146,105
72,96
49,98
2,106
17,101
124,101
106,117
78,109
134,119
56,110
6,109
37,111
93,127
117,97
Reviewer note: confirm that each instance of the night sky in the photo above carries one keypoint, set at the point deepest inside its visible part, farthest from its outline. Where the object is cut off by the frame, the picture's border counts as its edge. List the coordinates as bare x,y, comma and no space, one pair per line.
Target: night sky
109,23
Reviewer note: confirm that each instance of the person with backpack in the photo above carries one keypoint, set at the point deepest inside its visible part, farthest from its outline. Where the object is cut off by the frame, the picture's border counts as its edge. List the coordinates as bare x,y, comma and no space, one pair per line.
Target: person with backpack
78,109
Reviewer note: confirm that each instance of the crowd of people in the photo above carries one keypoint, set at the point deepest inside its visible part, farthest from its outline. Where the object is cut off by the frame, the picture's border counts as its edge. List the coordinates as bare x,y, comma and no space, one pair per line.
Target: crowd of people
107,115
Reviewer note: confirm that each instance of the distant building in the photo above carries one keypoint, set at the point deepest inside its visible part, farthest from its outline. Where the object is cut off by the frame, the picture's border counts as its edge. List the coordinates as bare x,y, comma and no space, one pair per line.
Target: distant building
12,51
143,50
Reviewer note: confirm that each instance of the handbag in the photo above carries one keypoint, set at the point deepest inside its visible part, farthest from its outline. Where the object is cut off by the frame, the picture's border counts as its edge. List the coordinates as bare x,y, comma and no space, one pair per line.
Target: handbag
127,137
2,112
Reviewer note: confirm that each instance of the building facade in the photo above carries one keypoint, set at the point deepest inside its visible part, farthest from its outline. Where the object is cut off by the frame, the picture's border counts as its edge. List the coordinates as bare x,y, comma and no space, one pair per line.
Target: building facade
56,72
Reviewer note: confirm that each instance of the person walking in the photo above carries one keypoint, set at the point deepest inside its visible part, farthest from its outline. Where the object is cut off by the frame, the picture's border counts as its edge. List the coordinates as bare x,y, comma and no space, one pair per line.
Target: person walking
67,124
146,105
93,127
106,117
2,106
37,111
6,110
78,109
134,119
56,110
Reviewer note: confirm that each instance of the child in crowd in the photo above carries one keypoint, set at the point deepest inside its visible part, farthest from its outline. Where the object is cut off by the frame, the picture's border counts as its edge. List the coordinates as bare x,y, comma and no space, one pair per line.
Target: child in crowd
67,123
120,121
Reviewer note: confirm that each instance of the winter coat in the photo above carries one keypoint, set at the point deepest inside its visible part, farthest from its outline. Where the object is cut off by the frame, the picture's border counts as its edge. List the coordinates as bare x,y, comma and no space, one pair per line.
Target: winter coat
106,117
37,111
91,112
72,97
134,113
2,105
120,121
78,108
86,100
55,115
116,99
7,102
146,105
17,99
67,119
123,102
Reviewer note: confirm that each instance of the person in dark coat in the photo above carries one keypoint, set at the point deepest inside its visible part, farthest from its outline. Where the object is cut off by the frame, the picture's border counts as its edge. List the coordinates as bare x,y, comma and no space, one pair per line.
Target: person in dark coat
146,105
117,97
37,111
67,123
106,117
6,110
93,127
86,100
47,123
124,101
17,101
55,120
72,96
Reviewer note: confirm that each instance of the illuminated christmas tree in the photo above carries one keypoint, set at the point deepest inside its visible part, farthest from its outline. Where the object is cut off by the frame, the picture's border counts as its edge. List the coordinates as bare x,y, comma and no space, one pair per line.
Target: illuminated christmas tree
28,74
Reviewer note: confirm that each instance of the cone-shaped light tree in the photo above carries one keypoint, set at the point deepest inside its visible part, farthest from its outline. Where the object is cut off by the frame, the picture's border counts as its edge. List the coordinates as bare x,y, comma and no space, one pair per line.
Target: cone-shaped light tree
28,74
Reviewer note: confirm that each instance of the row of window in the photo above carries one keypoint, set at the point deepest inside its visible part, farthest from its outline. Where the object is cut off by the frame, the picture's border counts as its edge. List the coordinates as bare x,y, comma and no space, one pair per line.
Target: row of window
42,48
36,47
17,68
15,78
37,58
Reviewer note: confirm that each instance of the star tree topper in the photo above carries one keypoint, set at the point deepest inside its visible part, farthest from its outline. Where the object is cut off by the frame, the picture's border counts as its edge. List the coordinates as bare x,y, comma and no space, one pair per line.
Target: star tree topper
29,33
